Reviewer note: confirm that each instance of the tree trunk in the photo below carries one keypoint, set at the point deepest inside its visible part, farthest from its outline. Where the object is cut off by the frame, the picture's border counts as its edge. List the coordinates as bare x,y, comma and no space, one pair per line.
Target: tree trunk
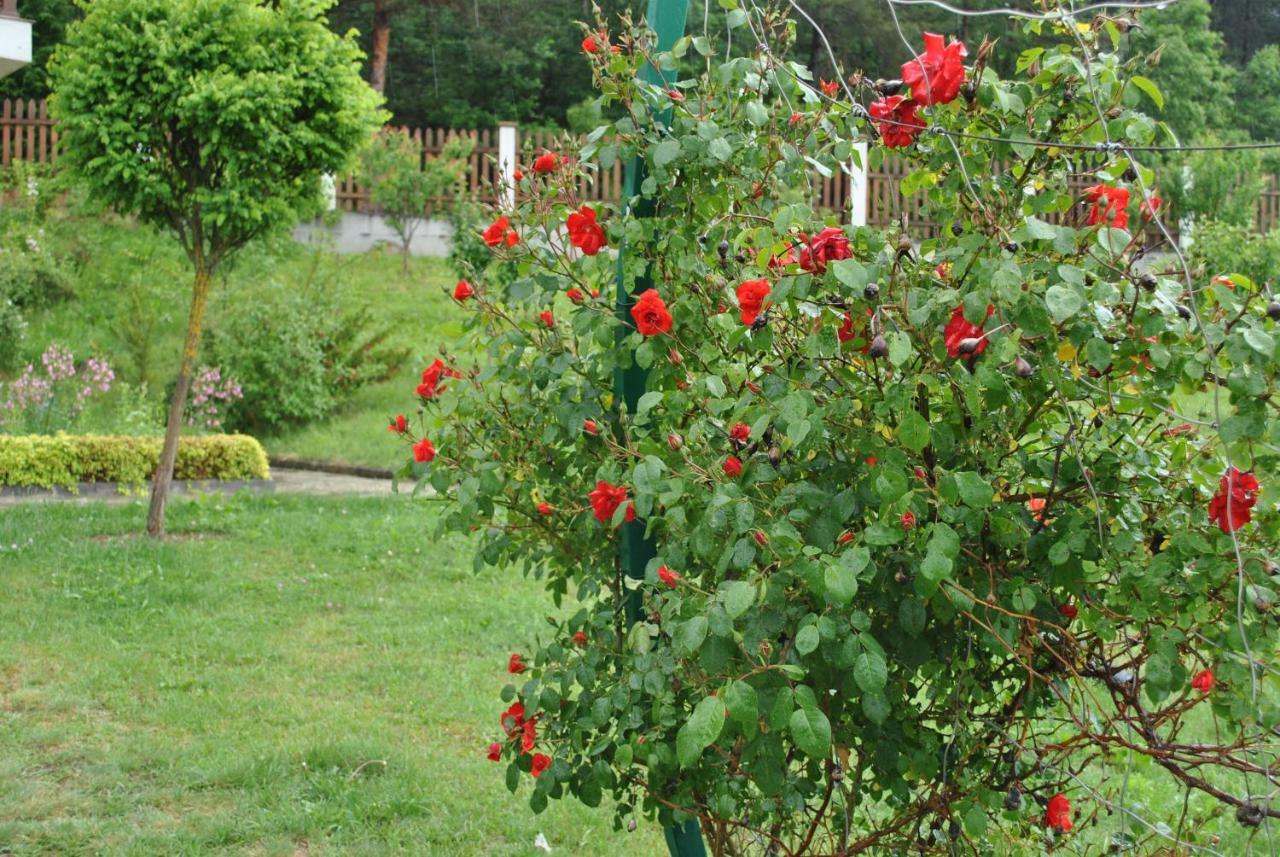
169,453
378,49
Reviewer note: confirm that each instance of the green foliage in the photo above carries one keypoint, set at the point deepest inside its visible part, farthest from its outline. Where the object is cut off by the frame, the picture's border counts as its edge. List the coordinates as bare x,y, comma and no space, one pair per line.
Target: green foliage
212,118
883,598
1223,186
298,353
1228,248
1257,107
469,256
405,186
64,461
1185,60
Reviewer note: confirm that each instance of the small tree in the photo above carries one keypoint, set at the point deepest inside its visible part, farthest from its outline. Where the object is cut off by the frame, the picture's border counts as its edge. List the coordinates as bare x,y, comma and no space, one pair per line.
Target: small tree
214,119
402,186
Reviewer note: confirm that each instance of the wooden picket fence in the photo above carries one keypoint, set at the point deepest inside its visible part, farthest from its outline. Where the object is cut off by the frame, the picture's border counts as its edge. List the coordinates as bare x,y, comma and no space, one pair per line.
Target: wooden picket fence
27,133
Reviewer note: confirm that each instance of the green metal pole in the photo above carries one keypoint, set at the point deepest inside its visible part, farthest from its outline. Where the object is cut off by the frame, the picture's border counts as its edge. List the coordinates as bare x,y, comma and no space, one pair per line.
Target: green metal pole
668,19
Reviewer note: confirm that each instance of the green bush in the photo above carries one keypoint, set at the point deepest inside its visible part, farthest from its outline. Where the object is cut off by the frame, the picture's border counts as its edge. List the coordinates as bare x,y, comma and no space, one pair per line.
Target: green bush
66,460
298,353
1218,247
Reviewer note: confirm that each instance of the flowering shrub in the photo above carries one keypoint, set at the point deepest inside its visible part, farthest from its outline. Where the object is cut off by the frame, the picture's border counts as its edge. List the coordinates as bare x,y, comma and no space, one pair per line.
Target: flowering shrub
936,543
52,398
210,396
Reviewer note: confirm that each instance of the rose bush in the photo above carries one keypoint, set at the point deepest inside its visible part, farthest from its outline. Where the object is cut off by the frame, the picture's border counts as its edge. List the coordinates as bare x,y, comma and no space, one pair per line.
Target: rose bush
936,544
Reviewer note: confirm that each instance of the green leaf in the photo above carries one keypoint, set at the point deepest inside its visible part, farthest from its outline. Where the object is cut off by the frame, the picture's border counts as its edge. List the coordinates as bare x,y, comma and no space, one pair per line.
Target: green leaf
975,820
1149,87
841,583
700,731
742,701
1040,230
876,707
688,636
807,639
811,729
870,672
737,597
1063,302
913,431
851,273
666,152
1260,341
974,490
720,149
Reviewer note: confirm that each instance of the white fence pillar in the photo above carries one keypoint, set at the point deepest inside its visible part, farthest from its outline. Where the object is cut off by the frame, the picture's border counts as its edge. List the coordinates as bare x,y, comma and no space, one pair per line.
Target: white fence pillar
508,146
858,186
329,191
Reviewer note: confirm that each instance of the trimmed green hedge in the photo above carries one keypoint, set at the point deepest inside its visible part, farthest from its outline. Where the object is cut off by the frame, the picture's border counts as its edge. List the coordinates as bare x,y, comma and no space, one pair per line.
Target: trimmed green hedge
65,460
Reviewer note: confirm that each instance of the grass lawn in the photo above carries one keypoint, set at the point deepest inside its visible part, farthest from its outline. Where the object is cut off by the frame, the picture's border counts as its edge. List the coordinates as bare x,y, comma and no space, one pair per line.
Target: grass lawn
283,676
131,290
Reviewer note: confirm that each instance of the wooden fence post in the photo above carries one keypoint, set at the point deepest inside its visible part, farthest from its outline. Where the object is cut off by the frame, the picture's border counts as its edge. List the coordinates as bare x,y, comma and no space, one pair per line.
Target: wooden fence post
667,18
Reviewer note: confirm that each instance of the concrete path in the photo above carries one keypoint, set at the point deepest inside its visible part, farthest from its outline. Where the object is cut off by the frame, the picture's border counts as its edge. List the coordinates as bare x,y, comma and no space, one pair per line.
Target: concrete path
283,481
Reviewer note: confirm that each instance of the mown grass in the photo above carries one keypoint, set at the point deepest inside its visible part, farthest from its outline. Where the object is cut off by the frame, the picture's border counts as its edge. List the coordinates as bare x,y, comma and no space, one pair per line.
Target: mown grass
282,676
131,290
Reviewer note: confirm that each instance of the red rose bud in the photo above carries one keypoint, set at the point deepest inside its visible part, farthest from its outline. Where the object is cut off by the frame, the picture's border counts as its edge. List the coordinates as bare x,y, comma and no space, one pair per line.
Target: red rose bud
575,295
495,752
399,425
1068,611
515,665
590,427
675,95
545,508
732,467
546,162
667,576
796,119
845,537
462,291
920,474
1203,681
547,318
908,520
423,451
753,387
674,441
674,357
760,537
580,639
870,461
518,175
829,88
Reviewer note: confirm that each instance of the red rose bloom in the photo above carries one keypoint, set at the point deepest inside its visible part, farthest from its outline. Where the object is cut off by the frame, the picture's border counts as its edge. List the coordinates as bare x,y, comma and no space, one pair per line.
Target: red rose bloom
669,577
896,120
547,318
1036,507
732,467
1232,507
829,88
777,262
529,736
515,665
1068,611
462,291
959,329
399,425
908,520
829,245
1203,681
1149,208
575,295
545,508
796,119
751,295
870,461
546,162
935,76
512,719
606,499
845,333
1057,815
1108,205
740,433
423,451
500,232
541,762
651,314
580,639
590,427
431,386
495,752
584,232
589,45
